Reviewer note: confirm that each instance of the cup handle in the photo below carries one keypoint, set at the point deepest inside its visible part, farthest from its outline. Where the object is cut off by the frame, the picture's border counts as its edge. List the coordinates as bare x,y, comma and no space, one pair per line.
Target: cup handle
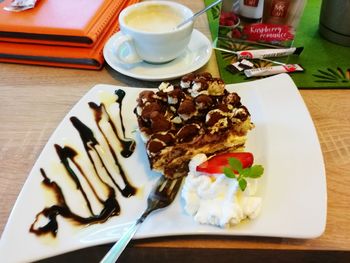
124,43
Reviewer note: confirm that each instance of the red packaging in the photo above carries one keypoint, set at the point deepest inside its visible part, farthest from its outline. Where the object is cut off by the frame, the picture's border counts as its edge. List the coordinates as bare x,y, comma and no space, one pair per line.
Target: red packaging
263,21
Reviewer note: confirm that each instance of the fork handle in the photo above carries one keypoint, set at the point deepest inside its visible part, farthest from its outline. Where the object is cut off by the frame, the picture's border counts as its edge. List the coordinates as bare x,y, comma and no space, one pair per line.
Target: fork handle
114,253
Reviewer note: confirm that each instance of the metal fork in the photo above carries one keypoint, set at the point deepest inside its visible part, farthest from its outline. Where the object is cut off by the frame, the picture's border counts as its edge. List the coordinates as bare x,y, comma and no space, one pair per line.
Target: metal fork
161,196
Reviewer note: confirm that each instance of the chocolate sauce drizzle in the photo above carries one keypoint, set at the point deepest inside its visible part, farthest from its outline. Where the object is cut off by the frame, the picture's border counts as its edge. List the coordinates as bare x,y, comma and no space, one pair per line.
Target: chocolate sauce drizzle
67,156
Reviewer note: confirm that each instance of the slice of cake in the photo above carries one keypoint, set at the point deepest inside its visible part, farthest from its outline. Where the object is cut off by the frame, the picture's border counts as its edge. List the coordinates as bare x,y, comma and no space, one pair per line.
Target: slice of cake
196,116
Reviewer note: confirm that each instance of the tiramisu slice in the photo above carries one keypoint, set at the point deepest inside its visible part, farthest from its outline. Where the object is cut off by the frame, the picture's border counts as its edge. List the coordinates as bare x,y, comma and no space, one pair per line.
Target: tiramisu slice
197,116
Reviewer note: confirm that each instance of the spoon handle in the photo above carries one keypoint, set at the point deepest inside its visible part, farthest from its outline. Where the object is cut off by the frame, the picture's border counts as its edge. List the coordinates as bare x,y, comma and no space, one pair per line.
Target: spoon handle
198,13
114,253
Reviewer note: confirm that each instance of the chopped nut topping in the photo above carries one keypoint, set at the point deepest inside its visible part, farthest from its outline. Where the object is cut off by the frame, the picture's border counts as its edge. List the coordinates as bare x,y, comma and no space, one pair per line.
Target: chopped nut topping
176,120
163,86
216,87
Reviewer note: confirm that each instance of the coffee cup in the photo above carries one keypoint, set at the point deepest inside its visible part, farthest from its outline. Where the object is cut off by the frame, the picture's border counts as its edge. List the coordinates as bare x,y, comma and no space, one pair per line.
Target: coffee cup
148,32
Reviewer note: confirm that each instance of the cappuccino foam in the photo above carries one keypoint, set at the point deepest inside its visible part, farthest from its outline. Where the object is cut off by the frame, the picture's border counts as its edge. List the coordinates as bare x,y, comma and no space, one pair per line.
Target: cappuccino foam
154,18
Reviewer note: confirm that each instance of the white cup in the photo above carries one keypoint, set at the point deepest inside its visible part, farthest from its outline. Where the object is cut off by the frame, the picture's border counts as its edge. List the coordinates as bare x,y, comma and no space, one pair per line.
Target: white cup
148,32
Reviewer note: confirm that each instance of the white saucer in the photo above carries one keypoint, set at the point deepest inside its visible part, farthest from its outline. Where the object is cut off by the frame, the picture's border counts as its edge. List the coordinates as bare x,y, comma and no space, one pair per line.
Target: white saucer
196,55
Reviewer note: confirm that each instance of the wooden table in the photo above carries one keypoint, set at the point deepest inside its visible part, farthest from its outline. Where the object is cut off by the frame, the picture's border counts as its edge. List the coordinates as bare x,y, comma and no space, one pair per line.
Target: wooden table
35,99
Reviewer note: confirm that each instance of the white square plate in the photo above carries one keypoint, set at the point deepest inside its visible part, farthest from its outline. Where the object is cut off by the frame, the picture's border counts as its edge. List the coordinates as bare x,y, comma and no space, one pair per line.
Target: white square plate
293,186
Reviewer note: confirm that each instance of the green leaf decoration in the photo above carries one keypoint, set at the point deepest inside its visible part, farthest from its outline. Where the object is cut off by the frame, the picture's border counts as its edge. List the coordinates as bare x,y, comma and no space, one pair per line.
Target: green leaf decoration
229,173
223,31
245,172
332,75
255,171
242,184
215,11
341,72
233,45
235,164
326,73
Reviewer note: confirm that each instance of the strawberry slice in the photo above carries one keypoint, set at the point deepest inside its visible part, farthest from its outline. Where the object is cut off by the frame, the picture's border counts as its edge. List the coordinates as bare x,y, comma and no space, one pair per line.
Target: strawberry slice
216,163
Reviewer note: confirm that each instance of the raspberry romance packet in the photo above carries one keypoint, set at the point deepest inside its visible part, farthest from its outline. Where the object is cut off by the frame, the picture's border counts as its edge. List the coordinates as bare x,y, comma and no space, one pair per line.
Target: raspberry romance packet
271,22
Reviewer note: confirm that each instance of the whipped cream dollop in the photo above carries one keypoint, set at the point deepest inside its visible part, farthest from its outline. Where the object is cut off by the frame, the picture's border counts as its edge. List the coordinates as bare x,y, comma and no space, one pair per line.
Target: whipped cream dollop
216,199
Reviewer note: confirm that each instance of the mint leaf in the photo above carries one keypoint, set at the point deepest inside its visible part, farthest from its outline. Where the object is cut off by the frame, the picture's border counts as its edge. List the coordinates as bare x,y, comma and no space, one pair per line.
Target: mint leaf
242,184
245,172
235,164
228,172
237,171
256,171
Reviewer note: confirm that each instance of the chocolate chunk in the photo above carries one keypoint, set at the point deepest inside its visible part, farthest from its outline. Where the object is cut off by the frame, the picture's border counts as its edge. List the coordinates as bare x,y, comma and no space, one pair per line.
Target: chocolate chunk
167,138
200,84
242,113
223,107
188,132
206,75
203,101
175,96
144,127
159,122
161,95
145,97
154,147
213,117
232,99
176,170
188,78
149,109
187,107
